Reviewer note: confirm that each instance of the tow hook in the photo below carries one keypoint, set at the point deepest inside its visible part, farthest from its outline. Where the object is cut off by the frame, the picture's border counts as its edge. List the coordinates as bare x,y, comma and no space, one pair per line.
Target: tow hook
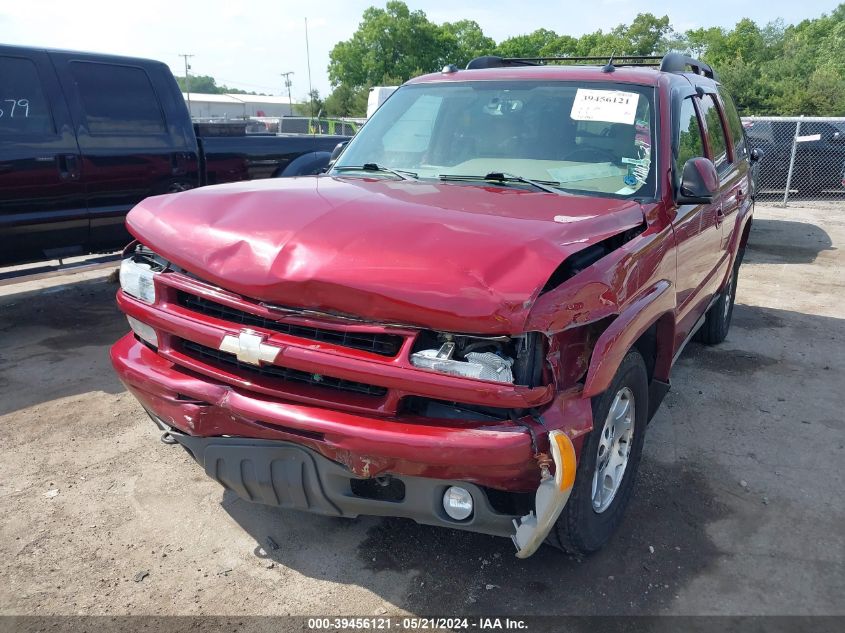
552,495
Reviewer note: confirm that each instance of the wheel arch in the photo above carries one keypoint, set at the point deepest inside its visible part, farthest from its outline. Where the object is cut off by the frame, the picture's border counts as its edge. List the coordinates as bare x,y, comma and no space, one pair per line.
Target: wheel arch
646,324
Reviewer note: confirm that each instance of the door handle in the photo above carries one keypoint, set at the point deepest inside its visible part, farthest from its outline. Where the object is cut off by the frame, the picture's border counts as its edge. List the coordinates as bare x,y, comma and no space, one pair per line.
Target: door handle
68,166
61,165
177,164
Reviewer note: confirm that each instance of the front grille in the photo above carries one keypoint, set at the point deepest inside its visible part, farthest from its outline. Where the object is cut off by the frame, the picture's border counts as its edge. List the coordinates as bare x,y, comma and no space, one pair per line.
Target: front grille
227,360
382,344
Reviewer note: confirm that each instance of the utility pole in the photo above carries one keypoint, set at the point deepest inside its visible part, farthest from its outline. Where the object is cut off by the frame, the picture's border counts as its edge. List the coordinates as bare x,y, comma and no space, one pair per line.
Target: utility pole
288,83
187,79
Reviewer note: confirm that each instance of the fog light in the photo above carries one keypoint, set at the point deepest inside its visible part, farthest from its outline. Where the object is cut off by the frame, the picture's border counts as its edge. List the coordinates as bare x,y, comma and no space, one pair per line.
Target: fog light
144,331
458,503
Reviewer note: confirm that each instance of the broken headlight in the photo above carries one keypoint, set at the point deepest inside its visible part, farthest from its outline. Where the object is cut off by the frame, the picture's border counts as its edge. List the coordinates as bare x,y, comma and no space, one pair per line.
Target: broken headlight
484,366
496,358
137,273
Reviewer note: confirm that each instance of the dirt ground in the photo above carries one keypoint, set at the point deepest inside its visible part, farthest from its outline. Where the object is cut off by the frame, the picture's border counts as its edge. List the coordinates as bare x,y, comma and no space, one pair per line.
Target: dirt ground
738,508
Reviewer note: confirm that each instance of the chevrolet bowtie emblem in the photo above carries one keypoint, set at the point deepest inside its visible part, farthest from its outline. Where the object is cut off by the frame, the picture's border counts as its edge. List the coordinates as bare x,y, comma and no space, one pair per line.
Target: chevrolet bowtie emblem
249,347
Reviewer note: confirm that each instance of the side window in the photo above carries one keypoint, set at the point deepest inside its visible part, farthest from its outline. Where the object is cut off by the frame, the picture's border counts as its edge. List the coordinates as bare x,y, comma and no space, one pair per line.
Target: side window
690,143
24,110
412,132
735,126
117,100
715,131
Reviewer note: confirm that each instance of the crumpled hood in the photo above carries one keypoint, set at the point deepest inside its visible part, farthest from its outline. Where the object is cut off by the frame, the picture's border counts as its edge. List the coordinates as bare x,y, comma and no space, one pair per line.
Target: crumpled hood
452,257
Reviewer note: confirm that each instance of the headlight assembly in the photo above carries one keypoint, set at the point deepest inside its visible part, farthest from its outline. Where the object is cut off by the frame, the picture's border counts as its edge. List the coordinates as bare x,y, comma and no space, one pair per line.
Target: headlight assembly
137,274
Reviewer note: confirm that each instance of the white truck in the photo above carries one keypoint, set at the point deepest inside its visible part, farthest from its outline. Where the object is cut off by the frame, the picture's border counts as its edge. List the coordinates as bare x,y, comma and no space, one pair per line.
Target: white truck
378,95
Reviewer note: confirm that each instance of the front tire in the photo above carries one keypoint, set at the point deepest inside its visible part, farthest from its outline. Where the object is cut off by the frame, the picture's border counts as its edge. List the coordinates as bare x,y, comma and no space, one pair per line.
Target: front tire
608,463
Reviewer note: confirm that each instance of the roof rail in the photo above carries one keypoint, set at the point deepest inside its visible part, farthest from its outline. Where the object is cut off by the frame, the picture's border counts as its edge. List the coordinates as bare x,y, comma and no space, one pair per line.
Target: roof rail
491,61
671,62
678,62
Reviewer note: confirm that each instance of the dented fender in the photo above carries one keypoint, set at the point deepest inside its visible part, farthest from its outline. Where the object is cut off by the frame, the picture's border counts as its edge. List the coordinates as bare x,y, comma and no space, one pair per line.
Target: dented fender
611,347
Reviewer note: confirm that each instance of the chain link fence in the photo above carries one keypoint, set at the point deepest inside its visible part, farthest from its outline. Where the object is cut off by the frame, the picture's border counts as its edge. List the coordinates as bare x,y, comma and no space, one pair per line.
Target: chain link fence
346,126
803,159
218,126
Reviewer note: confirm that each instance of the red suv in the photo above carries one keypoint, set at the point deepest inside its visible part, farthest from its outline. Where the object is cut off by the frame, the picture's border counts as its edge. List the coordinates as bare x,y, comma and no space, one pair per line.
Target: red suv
471,318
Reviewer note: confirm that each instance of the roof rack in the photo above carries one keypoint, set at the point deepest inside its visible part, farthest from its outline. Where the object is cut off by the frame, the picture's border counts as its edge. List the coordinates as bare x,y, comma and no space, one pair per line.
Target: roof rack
671,62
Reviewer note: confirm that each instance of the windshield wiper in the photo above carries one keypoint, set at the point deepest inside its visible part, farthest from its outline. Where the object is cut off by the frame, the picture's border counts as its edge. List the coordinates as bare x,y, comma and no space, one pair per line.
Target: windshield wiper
401,173
498,176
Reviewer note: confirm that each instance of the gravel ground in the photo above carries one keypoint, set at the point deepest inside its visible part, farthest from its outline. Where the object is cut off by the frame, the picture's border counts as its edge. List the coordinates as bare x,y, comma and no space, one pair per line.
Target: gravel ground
738,508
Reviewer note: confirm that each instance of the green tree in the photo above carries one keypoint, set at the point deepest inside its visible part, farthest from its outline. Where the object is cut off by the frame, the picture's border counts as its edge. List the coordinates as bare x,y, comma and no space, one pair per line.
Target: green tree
701,42
202,84
769,69
529,45
467,41
311,105
646,35
347,101
391,41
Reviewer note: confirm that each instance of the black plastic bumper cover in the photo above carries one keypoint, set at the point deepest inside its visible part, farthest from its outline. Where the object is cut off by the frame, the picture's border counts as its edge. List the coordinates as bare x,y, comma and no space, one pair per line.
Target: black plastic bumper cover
288,475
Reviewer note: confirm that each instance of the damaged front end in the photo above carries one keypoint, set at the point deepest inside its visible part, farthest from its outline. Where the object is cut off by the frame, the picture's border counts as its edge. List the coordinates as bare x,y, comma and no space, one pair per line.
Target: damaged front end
447,369
550,498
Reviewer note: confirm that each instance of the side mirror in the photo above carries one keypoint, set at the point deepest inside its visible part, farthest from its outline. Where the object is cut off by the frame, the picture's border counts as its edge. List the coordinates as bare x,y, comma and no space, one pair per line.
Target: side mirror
337,151
699,182
756,155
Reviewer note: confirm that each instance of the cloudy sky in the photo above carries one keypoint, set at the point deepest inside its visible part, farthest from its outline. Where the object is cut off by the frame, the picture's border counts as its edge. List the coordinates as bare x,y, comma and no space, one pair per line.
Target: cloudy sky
248,44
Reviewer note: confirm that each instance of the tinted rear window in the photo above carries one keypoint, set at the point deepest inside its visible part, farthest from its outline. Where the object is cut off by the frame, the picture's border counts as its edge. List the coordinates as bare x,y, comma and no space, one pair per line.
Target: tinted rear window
117,100
24,110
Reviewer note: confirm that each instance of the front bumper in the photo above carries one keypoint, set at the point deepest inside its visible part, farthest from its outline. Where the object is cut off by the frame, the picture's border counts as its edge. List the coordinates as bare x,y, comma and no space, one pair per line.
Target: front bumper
304,457
495,454
288,475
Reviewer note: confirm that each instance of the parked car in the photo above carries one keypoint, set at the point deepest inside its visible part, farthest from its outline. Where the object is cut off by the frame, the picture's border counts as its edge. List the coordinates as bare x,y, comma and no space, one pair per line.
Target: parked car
819,159
470,320
85,137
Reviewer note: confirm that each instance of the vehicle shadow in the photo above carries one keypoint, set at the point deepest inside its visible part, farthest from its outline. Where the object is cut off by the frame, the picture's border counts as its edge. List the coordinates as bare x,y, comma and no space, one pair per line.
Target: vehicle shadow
54,343
786,242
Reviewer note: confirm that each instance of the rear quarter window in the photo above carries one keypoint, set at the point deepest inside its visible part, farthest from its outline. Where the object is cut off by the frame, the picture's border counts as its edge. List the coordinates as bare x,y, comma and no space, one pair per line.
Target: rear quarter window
117,100
24,110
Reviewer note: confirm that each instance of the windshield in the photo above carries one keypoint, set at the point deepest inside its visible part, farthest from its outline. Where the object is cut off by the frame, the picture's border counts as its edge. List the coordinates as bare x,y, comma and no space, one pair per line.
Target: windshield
592,138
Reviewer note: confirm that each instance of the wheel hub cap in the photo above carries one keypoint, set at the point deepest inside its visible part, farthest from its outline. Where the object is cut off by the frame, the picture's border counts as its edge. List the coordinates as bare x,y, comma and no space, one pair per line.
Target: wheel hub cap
614,449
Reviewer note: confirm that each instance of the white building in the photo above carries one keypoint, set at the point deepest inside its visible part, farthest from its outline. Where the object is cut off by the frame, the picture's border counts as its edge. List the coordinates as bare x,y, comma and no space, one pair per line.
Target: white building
236,106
